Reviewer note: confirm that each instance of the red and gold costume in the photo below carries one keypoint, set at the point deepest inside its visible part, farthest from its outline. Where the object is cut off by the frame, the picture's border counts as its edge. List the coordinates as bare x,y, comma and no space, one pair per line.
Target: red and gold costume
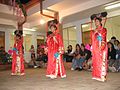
18,59
55,64
99,54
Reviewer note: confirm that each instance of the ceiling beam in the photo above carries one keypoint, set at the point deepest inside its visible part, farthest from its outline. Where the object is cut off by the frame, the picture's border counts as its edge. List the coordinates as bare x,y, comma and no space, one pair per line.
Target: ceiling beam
31,4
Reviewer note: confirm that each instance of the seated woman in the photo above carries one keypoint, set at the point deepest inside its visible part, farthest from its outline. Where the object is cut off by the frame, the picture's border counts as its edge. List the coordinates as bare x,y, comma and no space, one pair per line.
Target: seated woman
75,62
111,57
117,62
32,50
68,56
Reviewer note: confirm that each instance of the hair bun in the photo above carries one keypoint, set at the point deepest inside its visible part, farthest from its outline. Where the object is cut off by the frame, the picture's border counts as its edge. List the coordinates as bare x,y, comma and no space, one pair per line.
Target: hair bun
99,15
103,14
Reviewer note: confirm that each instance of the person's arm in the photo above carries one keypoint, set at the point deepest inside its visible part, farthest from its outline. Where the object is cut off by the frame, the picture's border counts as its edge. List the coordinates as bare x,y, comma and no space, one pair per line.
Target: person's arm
103,21
61,46
21,22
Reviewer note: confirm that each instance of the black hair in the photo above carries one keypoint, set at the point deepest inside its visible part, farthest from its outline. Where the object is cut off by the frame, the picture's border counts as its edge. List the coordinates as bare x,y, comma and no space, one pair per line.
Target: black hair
55,21
82,45
69,46
111,45
78,46
117,41
100,20
18,33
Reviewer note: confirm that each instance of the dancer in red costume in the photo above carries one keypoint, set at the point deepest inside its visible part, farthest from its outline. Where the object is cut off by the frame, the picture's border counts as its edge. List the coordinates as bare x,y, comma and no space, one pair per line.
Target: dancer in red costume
99,50
55,50
18,60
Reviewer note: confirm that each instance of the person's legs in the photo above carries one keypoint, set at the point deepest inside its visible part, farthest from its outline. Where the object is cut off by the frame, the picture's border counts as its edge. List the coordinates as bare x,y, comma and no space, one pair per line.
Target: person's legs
111,62
33,59
116,64
80,62
74,63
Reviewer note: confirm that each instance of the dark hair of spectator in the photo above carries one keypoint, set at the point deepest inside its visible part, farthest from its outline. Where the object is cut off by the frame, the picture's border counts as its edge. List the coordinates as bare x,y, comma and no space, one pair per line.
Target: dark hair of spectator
77,45
82,45
111,45
113,37
69,46
117,41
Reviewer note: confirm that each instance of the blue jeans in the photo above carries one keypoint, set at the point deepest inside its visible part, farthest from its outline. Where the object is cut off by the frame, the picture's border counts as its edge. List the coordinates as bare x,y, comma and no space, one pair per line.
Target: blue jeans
80,62
77,63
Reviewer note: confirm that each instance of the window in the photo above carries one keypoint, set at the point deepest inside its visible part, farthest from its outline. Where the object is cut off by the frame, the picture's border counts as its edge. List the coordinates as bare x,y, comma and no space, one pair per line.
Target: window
69,37
86,33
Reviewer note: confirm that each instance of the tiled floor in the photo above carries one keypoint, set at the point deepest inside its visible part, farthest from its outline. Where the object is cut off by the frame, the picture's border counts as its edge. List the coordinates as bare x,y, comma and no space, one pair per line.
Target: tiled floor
76,80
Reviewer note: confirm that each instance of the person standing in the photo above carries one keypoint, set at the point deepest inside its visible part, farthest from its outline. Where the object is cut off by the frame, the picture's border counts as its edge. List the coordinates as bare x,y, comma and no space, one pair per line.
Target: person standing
55,65
99,50
17,56
32,50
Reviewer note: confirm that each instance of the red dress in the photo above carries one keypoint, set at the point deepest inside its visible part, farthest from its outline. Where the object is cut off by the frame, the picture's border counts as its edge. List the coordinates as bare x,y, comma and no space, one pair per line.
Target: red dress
99,54
55,65
18,59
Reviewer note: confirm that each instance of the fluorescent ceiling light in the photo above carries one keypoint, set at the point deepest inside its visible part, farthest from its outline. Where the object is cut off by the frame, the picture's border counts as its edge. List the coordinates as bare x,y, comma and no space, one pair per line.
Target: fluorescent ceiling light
42,21
74,27
86,25
112,6
112,3
27,29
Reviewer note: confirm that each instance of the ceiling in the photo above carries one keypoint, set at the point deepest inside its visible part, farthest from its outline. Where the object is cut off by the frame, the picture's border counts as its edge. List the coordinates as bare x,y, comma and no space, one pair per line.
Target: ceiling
66,4
87,13
61,6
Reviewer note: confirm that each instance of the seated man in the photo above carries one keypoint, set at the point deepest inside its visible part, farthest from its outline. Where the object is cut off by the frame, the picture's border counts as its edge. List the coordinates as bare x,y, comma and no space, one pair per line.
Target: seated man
68,56
3,56
87,56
